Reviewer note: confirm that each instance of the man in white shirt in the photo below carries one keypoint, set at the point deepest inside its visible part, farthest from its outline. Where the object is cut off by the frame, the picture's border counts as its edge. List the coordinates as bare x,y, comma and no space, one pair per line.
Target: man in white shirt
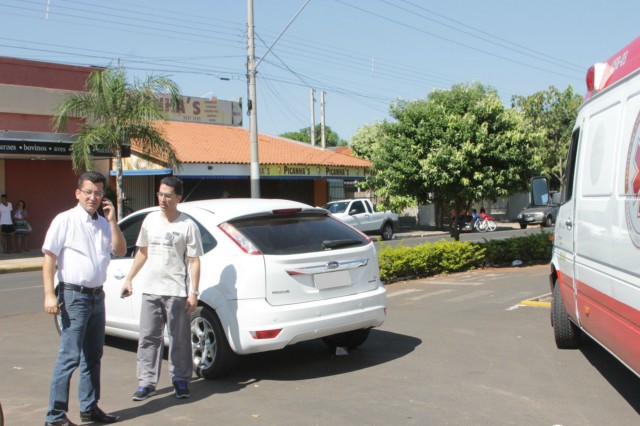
170,246
80,242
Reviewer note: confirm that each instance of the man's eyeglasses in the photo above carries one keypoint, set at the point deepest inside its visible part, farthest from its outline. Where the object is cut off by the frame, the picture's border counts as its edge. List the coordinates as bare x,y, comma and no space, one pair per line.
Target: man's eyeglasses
89,193
167,196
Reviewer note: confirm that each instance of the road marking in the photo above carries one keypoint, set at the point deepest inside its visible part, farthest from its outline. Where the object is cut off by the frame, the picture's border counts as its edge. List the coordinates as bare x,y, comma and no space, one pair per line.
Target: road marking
435,293
472,295
456,283
402,292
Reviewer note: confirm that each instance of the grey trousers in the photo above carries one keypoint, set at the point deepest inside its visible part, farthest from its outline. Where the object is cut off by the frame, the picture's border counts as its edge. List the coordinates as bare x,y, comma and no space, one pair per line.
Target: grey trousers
156,312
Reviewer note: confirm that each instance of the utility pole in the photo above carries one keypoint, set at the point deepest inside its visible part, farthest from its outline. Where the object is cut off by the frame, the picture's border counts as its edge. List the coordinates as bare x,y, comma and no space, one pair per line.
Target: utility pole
252,104
313,118
323,135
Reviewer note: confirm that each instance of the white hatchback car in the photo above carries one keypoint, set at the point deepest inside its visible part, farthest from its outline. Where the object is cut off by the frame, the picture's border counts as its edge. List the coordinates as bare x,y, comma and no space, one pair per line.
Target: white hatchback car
273,273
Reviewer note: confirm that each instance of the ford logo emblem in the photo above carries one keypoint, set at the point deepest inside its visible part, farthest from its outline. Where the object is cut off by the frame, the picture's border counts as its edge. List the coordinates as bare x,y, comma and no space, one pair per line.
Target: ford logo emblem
332,265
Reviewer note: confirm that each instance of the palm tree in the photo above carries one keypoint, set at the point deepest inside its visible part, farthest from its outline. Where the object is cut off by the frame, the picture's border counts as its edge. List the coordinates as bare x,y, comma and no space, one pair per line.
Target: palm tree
116,113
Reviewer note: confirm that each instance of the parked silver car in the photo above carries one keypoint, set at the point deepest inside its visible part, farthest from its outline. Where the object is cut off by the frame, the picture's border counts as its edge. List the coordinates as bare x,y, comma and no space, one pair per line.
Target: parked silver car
538,215
543,209
274,273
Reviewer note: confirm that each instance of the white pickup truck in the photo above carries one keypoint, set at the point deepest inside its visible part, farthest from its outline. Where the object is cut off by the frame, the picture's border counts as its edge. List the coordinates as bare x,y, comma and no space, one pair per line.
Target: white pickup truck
360,214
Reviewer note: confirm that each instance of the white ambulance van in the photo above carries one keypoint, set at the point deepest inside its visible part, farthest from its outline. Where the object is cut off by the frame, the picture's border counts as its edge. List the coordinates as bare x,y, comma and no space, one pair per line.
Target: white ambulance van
595,267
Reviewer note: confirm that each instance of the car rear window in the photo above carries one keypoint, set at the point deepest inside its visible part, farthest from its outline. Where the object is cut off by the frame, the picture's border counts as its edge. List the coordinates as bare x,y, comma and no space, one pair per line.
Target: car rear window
298,233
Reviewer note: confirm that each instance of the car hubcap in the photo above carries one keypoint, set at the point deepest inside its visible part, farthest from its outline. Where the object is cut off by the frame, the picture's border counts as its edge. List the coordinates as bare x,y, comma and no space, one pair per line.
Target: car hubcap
203,343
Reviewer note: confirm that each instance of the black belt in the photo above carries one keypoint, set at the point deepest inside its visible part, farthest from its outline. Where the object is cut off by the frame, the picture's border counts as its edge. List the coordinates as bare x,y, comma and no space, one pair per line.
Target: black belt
81,289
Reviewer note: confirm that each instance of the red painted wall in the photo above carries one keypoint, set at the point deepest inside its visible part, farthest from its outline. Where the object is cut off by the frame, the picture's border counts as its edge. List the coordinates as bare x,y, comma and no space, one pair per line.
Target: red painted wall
34,123
47,188
43,74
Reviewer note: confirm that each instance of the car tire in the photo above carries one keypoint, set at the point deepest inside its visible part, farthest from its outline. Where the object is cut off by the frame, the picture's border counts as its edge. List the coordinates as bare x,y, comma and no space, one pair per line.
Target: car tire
523,226
349,339
387,232
548,222
210,351
566,333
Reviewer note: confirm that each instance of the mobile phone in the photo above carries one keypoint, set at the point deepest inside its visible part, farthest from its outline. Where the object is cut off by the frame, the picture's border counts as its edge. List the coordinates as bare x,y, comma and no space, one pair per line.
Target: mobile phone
124,293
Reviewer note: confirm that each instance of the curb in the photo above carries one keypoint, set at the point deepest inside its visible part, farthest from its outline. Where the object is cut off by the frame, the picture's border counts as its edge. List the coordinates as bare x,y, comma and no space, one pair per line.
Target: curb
20,268
538,302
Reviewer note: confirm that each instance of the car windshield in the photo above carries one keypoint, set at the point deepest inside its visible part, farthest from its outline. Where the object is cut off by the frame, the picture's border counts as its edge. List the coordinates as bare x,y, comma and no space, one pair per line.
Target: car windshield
298,233
338,207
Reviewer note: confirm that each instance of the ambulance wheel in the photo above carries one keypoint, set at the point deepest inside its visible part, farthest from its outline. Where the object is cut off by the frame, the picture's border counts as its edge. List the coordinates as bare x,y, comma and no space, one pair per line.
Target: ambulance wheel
566,333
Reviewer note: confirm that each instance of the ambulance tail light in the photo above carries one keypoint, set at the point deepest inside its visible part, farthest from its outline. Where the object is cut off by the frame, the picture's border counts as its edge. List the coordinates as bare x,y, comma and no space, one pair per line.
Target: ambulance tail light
597,77
590,78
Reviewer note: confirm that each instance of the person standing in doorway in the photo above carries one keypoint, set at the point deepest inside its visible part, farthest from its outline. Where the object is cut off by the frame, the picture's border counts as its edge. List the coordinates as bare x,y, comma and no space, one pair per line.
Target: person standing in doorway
77,249
23,229
7,227
170,246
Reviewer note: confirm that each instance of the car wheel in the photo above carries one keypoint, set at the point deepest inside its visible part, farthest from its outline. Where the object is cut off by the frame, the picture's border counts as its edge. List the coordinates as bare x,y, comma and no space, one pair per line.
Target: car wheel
349,339
212,356
523,225
548,222
566,333
387,231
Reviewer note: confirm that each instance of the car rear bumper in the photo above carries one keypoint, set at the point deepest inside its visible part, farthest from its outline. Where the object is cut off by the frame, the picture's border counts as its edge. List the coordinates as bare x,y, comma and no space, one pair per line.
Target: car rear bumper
299,322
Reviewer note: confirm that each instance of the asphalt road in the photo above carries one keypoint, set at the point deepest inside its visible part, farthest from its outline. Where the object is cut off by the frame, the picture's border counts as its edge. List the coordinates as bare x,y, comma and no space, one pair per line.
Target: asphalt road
455,350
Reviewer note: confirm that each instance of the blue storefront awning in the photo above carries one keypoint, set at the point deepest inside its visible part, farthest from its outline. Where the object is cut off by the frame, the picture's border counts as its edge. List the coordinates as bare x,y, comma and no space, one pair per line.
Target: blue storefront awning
149,172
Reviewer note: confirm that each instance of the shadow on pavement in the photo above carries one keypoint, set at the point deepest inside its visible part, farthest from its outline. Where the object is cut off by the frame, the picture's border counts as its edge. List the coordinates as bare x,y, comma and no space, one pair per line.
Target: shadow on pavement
620,377
302,361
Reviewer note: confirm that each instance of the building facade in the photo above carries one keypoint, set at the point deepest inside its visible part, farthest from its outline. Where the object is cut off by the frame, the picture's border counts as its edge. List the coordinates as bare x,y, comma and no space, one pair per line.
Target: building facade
35,162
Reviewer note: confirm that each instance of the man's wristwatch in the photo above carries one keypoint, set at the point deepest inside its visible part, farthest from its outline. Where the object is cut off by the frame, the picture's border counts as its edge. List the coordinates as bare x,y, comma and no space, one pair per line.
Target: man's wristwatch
195,293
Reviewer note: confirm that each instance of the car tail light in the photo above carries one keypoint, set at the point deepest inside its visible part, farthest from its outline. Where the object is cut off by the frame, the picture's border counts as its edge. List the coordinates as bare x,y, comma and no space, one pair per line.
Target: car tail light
237,237
265,334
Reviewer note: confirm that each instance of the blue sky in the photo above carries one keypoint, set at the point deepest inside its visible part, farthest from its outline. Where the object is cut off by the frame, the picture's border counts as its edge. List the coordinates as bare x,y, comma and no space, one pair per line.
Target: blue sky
364,54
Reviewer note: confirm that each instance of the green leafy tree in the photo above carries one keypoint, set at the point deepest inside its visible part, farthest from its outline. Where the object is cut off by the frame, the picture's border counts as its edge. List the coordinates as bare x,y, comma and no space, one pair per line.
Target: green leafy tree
553,113
116,112
365,140
364,144
304,135
456,147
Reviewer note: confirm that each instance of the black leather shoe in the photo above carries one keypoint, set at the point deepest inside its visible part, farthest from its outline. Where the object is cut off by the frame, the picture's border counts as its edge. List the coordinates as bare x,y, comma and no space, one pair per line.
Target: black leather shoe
97,415
63,422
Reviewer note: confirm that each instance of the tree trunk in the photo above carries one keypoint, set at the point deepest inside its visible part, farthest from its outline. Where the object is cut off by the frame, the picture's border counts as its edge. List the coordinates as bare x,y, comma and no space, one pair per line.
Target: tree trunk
454,230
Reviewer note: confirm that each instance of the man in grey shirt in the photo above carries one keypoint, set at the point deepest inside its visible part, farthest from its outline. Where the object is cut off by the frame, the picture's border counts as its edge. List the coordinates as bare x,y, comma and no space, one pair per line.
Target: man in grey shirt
170,247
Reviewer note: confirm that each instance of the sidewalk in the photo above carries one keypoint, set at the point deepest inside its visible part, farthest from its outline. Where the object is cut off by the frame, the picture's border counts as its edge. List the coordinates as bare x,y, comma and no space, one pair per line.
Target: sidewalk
428,231
32,260
21,262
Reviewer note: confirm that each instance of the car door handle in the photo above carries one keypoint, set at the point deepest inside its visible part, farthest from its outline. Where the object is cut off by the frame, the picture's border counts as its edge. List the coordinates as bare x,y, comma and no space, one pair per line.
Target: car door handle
568,223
